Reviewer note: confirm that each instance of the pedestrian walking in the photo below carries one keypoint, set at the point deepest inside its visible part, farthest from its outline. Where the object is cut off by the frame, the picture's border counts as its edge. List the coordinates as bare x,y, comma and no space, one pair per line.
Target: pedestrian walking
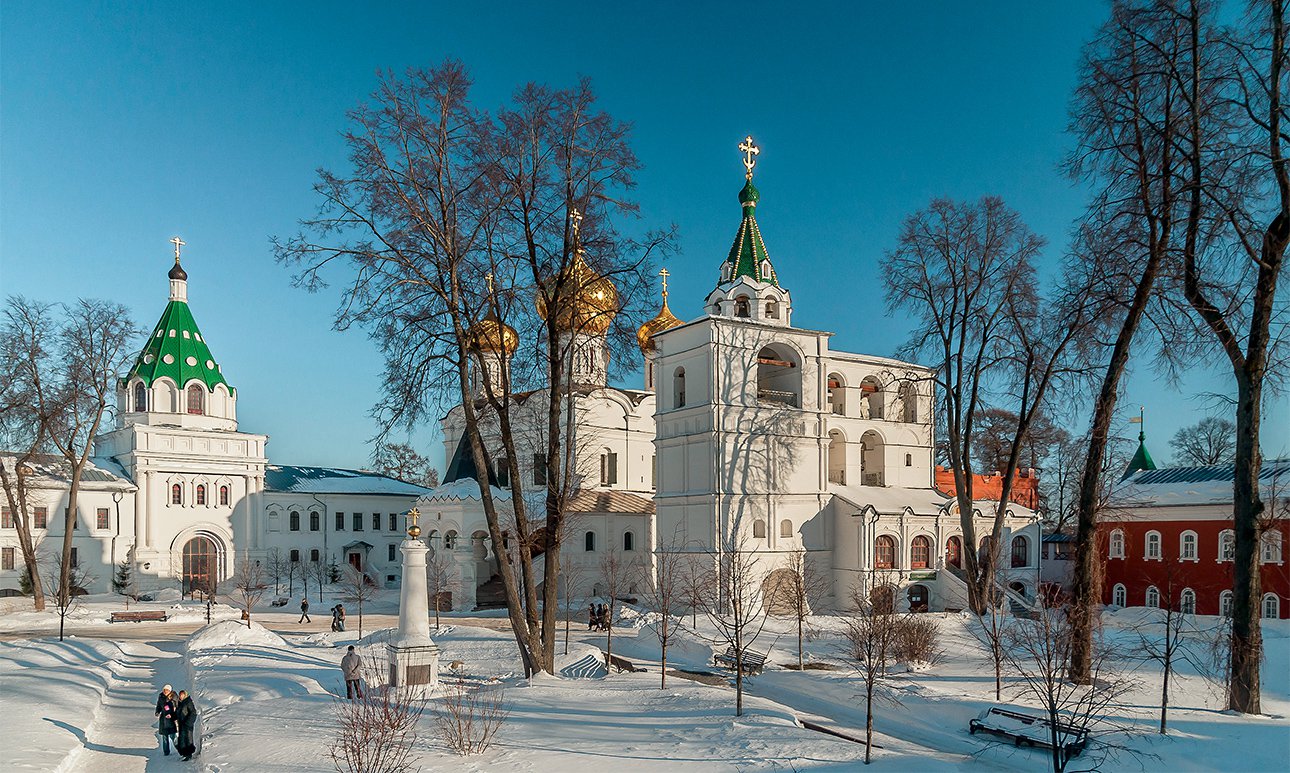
186,719
351,668
167,727
340,609
591,617
304,610
335,618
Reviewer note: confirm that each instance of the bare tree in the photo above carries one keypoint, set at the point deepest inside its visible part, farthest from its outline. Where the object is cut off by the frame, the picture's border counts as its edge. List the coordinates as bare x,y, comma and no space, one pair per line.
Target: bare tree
318,572
664,596
571,576
617,573
1164,640
1212,440
696,579
869,638
1128,121
734,604
441,580
442,196
78,578
469,718
376,732
799,585
992,631
1038,651
249,585
276,566
357,589
401,461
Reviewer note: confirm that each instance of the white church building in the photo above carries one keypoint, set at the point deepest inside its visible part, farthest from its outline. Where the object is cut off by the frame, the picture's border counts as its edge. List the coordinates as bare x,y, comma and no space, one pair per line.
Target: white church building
750,434
182,494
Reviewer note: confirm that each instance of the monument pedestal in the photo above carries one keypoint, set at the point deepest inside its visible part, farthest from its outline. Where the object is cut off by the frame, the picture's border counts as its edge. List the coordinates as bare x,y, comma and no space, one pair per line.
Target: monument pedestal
414,657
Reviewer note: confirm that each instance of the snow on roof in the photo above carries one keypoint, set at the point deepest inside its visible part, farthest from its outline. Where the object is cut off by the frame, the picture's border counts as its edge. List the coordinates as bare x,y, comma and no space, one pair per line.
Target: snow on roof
1210,485
54,469
922,501
329,480
461,489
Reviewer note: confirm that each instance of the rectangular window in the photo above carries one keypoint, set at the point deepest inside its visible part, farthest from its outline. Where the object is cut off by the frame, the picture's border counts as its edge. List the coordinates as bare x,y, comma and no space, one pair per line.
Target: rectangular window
608,468
340,521
394,521
539,470
315,522
6,559
376,521
504,472
294,521
393,551
6,518
40,518
76,557
101,518
295,556
313,555
358,521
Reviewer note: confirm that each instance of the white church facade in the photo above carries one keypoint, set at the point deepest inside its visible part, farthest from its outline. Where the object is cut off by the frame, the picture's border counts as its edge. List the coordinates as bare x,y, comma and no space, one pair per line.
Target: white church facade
179,492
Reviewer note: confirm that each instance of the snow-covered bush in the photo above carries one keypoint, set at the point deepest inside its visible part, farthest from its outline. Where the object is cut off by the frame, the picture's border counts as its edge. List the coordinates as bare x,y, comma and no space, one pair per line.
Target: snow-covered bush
469,718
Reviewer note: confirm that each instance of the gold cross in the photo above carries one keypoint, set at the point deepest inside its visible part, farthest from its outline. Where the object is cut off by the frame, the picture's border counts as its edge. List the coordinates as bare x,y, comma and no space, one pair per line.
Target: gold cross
575,221
663,272
178,243
489,279
749,150
413,515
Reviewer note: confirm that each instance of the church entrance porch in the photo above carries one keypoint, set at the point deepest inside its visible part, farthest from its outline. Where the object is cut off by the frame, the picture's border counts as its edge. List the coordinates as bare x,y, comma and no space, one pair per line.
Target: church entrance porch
918,598
201,566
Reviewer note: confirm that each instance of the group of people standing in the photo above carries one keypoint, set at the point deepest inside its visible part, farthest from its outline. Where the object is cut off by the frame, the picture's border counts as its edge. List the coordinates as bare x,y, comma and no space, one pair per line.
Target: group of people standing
598,617
176,722
337,615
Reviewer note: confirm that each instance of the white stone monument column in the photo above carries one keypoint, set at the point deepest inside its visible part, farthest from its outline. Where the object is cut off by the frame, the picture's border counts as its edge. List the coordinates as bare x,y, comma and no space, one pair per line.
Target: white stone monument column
414,657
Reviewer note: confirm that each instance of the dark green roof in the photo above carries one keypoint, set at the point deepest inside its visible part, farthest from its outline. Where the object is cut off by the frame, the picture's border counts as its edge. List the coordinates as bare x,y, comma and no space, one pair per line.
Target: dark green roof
176,350
748,251
1141,458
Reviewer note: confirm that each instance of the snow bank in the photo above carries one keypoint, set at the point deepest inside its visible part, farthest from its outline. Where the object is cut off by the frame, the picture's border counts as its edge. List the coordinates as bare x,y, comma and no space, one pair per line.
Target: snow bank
684,649
232,633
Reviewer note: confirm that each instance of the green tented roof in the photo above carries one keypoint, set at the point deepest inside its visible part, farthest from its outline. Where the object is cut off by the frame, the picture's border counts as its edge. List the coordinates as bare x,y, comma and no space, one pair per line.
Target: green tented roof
748,251
176,350
1141,458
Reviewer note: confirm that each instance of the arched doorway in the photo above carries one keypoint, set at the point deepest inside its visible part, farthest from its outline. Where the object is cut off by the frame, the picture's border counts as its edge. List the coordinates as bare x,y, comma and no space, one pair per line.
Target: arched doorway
918,598
200,566
954,552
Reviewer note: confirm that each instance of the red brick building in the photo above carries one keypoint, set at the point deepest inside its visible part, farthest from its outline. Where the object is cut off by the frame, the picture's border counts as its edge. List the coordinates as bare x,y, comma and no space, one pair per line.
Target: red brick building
1168,540
1025,486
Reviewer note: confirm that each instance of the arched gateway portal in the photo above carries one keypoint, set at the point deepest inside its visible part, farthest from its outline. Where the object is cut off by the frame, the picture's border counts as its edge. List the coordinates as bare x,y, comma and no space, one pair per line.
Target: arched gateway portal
201,565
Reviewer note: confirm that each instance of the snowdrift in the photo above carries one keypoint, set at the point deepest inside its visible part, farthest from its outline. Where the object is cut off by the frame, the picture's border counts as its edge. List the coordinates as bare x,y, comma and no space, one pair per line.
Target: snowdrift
233,633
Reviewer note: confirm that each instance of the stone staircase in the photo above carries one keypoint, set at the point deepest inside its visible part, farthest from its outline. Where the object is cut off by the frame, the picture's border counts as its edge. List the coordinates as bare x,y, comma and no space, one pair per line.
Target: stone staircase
491,595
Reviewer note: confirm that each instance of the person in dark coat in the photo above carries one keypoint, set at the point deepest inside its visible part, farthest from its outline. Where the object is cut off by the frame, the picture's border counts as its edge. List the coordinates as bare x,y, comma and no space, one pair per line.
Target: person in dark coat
167,694
340,617
304,610
591,617
167,727
335,618
186,719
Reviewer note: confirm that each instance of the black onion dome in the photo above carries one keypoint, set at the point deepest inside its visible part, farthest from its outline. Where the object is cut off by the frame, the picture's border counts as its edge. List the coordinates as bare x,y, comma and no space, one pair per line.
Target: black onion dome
178,272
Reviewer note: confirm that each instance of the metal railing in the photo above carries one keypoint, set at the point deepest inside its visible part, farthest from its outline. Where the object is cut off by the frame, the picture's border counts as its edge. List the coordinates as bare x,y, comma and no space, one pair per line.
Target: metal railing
777,396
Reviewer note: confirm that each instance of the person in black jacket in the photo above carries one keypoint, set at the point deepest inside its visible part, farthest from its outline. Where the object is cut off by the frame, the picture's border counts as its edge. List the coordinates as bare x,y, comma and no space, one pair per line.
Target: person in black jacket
186,719
167,694
167,727
304,611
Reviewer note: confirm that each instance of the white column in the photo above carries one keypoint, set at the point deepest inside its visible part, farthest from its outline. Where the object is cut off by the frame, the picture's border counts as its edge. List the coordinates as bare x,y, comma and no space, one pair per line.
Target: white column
414,598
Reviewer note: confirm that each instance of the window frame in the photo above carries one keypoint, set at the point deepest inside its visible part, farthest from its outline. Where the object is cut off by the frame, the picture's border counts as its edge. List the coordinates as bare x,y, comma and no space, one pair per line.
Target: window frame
1159,543
1263,606
1120,595
1116,543
102,518
884,552
1151,591
920,544
1183,543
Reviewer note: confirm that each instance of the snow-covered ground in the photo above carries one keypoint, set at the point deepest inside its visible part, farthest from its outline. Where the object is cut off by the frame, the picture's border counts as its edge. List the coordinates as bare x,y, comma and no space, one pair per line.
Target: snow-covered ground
267,704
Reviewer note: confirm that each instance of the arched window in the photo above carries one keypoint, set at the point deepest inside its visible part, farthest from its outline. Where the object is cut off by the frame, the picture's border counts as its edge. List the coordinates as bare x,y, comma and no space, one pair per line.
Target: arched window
873,459
1117,544
871,398
786,528
884,552
1020,551
954,552
294,521
589,541
772,309
201,494
1187,602
983,548
140,397
837,458
920,553
608,467
1227,545
909,402
629,541
176,494
837,395
1225,603
503,472
223,495
1118,595
678,388
1153,546
1270,547
315,521
759,529
1271,606
1152,597
1187,546
741,306
779,379
450,540
196,400
909,460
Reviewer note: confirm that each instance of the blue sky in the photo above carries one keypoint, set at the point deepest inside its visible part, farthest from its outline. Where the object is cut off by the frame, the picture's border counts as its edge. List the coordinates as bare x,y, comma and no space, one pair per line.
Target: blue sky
124,124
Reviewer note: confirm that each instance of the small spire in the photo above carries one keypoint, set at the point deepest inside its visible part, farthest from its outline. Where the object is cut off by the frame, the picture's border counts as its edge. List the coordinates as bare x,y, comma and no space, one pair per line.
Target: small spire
749,150
664,273
175,240
1142,457
177,272
575,223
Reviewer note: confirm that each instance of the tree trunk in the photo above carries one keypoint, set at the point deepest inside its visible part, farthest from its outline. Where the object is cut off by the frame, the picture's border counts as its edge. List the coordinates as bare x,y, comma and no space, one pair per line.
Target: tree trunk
16,495
69,531
1164,695
1244,694
868,719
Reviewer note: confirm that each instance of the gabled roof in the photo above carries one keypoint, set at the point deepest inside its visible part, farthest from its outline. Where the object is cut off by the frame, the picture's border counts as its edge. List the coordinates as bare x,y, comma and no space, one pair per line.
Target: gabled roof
608,501
330,480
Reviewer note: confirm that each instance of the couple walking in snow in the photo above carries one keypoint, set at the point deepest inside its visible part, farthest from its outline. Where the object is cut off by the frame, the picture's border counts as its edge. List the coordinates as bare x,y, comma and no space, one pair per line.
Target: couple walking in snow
176,720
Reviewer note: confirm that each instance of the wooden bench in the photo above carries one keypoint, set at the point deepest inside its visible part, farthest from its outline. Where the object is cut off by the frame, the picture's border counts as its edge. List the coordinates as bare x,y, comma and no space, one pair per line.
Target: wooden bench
752,662
280,601
157,615
622,664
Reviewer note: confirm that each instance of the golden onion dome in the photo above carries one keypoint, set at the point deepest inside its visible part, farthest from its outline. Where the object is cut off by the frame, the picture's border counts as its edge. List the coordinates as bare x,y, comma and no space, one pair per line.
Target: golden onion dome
665,320
490,335
590,301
